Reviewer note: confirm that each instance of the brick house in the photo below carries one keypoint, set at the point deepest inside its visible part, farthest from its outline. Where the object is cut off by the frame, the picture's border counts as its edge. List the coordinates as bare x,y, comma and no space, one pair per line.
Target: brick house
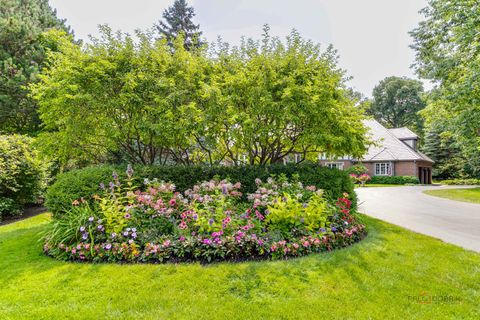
394,153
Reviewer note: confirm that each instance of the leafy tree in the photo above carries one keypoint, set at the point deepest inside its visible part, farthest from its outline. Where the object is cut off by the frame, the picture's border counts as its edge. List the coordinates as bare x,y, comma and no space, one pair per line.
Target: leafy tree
396,103
179,20
284,98
138,100
145,103
22,55
446,45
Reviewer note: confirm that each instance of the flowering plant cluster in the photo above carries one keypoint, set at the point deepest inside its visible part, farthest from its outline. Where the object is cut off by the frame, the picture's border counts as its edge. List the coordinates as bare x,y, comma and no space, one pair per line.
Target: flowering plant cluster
212,221
360,178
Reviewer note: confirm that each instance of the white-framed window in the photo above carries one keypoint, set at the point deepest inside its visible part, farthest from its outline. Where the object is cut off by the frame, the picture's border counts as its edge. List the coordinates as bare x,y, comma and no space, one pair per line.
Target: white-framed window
334,165
382,169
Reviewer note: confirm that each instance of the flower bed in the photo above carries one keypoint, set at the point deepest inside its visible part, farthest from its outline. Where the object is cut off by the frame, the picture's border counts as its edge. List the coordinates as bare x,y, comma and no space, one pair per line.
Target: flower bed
210,222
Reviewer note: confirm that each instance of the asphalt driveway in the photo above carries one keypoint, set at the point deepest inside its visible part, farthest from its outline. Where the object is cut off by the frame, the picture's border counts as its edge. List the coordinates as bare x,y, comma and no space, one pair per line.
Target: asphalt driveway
407,206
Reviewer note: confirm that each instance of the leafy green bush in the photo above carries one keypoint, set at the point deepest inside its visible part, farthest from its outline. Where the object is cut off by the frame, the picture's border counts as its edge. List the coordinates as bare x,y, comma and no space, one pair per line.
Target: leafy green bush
461,182
75,184
394,180
357,169
22,174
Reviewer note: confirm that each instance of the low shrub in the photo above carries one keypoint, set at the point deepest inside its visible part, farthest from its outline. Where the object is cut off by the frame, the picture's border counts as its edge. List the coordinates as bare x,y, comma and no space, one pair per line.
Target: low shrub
212,221
22,174
75,184
461,182
393,180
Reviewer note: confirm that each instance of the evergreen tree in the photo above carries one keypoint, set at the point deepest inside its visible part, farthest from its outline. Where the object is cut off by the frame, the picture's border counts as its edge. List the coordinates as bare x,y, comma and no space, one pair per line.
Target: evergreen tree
442,148
22,55
178,20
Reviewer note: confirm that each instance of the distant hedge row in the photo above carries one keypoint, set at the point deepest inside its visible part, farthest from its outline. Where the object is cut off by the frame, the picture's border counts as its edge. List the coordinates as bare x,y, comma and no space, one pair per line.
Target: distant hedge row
393,180
461,182
85,182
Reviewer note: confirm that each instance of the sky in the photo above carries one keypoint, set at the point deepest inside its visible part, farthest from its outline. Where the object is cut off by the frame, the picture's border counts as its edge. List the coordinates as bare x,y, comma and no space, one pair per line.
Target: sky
371,36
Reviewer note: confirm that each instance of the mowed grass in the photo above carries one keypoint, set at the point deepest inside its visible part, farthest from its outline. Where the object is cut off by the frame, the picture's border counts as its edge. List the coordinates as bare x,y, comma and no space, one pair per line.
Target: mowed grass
466,195
381,277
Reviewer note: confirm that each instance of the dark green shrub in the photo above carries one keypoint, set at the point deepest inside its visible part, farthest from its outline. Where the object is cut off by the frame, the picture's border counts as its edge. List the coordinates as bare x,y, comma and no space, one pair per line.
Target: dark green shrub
394,180
75,184
22,174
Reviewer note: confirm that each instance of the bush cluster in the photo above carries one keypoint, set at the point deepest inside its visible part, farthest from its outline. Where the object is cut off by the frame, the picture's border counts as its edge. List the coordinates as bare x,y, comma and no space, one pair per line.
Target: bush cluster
22,174
211,221
461,182
393,180
76,184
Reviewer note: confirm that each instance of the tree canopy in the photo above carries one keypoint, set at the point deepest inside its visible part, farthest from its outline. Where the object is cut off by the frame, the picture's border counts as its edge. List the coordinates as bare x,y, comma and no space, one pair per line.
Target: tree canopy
22,55
117,98
446,45
397,101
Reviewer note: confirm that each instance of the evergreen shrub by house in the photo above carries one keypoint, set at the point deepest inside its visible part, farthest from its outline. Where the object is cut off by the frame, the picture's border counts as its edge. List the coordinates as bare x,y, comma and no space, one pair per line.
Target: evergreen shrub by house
393,180
76,184
22,174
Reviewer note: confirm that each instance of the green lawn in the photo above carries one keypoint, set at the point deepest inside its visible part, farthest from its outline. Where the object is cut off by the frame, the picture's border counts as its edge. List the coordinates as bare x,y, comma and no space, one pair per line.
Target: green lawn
466,195
374,279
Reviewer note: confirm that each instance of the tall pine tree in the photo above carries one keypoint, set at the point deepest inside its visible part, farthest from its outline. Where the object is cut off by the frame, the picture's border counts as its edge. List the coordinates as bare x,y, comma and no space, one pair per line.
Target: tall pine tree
178,20
22,55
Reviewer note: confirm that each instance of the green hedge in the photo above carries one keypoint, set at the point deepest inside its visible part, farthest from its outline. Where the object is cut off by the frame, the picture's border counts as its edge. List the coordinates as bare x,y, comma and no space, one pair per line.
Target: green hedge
393,180
461,182
85,182
22,174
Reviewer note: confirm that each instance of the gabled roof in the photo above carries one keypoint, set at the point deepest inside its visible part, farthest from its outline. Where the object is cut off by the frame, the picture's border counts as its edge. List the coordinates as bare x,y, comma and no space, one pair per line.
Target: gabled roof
389,147
403,133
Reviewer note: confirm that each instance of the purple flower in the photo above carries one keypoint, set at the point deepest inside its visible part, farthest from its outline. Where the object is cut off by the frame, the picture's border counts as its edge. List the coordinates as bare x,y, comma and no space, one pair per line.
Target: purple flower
111,185
130,241
134,235
211,221
207,241
334,229
91,219
195,216
113,235
100,227
134,229
224,189
114,175
82,228
108,246
322,229
102,186
125,233
182,238
85,236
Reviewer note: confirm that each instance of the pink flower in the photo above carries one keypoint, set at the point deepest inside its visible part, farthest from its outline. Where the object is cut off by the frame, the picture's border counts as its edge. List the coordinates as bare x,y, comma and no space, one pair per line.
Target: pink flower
166,243
172,202
182,238
306,244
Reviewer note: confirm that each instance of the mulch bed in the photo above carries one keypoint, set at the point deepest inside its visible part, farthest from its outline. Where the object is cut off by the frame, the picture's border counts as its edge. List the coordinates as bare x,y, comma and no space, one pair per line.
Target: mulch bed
27,213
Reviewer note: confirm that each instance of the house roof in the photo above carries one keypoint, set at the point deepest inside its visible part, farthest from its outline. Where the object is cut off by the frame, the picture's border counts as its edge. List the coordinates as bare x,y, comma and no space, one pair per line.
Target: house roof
388,145
403,133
